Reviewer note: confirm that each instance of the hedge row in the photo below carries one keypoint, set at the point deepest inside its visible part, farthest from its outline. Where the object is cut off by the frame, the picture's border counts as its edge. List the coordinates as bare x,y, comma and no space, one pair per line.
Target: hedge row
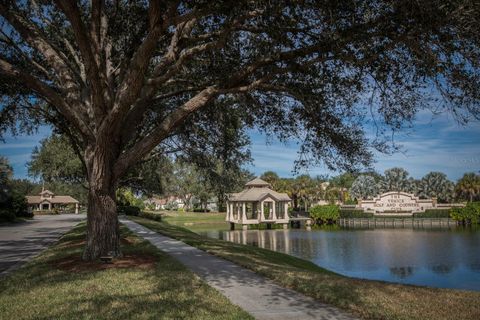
355,214
151,216
324,214
129,210
470,214
433,213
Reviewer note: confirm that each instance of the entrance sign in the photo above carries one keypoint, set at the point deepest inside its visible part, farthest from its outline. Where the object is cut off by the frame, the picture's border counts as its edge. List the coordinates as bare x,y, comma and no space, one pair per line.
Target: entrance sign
397,203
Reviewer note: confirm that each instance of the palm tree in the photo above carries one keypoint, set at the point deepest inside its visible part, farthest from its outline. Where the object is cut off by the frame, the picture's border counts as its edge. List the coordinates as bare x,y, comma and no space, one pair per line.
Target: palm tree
436,184
303,187
396,179
468,187
272,178
364,187
340,185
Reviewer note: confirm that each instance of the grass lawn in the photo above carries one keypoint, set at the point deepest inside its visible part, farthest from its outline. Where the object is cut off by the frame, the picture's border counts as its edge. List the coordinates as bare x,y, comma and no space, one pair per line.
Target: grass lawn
144,284
195,221
368,299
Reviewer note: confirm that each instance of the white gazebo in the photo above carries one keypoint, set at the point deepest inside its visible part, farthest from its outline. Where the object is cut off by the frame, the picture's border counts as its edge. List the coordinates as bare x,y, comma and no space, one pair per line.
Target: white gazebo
257,204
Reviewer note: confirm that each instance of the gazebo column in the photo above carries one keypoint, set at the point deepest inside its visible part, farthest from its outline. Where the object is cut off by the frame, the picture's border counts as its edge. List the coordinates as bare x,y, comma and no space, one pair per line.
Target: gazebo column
274,209
230,215
76,208
286,210
244,212
262,216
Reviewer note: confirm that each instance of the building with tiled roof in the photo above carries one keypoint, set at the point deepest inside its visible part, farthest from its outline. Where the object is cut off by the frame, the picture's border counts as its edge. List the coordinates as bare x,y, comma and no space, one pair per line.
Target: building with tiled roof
47,201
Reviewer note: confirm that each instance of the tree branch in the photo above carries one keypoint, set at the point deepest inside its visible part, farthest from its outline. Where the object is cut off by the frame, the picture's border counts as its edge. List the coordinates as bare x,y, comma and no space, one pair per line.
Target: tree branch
50,95
35,39
173,120
72,12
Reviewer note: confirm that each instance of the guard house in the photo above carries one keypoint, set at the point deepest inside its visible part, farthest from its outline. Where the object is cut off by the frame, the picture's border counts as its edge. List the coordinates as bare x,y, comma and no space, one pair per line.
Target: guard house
257,204
47,201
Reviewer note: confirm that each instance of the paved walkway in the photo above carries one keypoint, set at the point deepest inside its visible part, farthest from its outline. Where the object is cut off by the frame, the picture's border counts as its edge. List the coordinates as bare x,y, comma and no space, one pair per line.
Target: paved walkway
21,242
253,293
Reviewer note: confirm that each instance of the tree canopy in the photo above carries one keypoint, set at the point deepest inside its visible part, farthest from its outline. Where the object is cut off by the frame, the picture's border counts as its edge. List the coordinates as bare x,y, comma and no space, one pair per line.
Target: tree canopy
125,79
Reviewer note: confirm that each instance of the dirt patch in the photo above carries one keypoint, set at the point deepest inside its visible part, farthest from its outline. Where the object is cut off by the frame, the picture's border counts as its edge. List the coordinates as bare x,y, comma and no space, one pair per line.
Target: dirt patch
73,244
76,264
127,240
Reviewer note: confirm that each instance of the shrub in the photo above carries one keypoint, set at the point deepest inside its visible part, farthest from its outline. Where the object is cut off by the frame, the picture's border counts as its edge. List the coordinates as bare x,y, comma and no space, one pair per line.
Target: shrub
468,214
171,205
26,214
44,212
19,205
349,213
151,216
201,210
7,215
325,214
433,213
129,210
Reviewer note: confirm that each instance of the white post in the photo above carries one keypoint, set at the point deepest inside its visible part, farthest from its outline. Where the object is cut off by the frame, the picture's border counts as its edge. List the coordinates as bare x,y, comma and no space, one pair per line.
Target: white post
227,217
286,211
262,217
76,208
274,210
244,212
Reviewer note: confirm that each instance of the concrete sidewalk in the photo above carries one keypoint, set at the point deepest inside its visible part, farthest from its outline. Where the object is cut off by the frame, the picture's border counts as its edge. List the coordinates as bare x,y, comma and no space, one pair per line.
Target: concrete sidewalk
253,293
22,241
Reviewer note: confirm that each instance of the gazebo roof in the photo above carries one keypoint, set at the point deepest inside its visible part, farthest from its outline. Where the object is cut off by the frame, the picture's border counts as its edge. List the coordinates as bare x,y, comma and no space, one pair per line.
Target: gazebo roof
257,182
257,190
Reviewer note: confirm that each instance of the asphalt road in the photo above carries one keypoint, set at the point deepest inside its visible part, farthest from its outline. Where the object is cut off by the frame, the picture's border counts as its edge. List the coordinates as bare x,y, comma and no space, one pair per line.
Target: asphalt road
21,242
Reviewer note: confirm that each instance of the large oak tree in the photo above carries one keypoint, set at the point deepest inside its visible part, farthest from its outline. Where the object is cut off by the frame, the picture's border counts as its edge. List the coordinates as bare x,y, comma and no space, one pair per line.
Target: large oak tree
123,79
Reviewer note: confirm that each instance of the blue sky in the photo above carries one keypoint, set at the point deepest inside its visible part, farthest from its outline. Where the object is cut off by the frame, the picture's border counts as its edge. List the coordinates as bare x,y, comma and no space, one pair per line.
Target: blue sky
435,143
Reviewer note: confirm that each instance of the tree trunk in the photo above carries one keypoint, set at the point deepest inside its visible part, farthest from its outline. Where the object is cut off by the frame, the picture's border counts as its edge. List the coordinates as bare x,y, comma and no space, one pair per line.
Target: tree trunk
103,232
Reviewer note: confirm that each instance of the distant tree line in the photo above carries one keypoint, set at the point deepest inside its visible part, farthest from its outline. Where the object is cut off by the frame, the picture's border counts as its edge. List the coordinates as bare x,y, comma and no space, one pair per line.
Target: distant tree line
350,187
13,204
192,176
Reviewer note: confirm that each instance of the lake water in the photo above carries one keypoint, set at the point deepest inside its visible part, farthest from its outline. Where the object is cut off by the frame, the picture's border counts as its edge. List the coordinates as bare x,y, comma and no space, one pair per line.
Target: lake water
436,258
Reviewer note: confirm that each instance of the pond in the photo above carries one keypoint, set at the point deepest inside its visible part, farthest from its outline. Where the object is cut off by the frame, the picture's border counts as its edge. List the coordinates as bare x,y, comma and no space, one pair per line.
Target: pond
438,258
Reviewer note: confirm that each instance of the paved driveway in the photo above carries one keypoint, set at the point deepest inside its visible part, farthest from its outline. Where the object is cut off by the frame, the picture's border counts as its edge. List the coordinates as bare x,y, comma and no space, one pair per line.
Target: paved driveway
21,242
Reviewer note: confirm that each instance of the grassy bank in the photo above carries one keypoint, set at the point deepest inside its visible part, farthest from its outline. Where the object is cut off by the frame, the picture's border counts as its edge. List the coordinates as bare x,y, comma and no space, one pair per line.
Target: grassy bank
144,284
368,299
195,220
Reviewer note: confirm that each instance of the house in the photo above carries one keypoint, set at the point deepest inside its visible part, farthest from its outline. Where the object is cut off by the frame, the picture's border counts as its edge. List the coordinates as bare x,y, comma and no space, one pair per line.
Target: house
47,201
170,202
155,203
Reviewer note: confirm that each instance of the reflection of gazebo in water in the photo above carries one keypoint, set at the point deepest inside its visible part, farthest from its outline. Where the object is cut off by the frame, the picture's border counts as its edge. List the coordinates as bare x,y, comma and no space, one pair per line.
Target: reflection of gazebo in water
257,204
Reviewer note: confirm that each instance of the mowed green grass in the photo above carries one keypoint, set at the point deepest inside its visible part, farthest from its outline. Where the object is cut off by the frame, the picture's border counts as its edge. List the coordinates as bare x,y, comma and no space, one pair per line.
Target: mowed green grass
151,285
195,221
365,298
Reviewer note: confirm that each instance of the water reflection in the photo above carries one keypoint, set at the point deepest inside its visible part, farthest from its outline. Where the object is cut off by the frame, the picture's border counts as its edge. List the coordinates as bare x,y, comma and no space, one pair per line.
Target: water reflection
402,272
438,258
